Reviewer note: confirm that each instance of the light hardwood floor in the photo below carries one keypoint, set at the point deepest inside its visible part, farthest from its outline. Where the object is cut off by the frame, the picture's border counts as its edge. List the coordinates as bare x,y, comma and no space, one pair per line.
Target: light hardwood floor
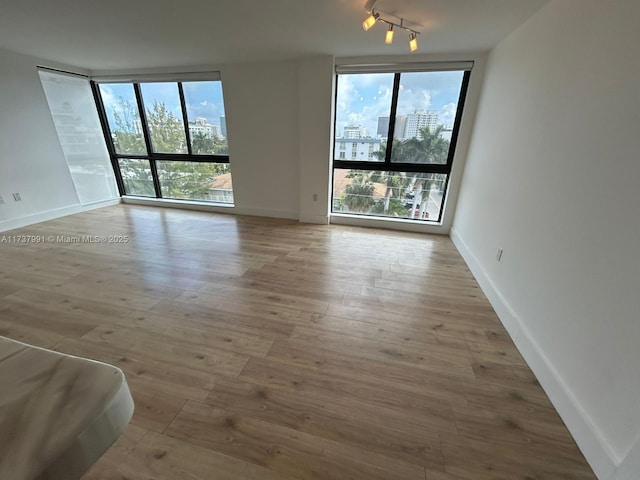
266,349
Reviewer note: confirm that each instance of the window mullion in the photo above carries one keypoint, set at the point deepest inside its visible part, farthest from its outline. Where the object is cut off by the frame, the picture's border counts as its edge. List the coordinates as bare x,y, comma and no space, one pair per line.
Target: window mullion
392,118
147,139
458,120
106,131
185,120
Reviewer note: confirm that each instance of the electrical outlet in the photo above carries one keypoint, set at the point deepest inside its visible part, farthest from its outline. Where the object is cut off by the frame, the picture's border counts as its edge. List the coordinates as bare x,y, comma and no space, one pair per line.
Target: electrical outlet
17,197
499,255
1,200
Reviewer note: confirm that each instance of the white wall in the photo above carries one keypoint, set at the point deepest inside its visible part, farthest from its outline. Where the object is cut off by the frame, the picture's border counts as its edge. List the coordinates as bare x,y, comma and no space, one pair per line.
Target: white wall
553,177
315,129
261,106
31,160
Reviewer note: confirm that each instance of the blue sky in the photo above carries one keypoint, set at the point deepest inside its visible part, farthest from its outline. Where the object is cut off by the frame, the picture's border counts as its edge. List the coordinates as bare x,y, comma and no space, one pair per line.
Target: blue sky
203,99
363,97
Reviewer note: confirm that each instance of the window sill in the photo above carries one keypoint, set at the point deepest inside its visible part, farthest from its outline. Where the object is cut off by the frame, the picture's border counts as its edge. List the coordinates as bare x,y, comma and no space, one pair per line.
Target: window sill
184,204
403,224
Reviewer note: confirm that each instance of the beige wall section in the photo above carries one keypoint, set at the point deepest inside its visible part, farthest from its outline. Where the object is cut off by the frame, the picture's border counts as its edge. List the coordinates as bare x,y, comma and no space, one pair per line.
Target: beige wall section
262,107
316,76
552,177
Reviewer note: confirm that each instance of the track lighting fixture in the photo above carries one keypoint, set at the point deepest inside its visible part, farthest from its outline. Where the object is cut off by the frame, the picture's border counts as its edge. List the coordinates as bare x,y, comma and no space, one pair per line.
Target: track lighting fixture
370,21
388,39
374,17
413,42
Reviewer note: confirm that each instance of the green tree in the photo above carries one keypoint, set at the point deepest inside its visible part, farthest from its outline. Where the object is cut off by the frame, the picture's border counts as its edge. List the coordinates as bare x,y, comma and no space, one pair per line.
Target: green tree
422,186
395,182
208,144
178,179
127,131
189,180
167,131
431,148
395,208
136,175
128,139
359,194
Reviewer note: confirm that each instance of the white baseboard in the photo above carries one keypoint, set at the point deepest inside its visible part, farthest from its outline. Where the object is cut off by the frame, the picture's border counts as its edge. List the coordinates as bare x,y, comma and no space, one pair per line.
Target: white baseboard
14,223
267,212
629,468
211,207
180,204
316,219
602,459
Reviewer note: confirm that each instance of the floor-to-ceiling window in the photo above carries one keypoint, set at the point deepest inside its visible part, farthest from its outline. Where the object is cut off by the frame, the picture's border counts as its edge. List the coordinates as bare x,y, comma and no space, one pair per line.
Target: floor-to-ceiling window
167,139
395,138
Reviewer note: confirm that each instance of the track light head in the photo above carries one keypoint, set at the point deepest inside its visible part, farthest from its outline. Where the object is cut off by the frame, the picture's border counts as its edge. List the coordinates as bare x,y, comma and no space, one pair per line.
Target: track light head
370,21
388,38
413,42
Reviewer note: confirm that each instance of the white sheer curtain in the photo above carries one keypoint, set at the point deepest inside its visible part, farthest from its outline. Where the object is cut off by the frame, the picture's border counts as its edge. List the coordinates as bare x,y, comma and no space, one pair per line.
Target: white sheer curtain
76,119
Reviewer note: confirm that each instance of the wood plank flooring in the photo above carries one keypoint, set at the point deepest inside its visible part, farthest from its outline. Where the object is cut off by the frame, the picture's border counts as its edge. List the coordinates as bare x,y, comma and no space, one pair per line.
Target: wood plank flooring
266,349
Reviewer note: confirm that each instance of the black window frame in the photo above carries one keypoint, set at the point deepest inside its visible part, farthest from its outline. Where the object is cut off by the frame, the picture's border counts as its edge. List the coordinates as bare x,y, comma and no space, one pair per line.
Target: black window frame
386,164
151,156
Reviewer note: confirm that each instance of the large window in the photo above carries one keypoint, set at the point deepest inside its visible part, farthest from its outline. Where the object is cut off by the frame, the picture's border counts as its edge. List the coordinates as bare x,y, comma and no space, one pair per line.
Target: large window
167,139
402,127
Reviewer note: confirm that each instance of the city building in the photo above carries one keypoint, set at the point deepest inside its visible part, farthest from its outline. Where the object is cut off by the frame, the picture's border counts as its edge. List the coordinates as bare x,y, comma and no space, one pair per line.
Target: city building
418,120
357,148
446,133
400,127
223,126
201,127
383,127
355,131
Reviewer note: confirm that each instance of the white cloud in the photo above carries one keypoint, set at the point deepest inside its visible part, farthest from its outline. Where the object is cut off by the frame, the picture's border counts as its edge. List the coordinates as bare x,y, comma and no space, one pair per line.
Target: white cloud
362,98
448,114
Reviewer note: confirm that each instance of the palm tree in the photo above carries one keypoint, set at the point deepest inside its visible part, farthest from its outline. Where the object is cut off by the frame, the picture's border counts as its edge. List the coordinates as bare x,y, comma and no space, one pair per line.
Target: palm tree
429,148
392,180
395,208
422,184
359,194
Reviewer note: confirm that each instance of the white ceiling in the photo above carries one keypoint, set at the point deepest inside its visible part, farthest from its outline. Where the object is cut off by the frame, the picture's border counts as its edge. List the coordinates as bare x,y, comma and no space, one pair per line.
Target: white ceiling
125,34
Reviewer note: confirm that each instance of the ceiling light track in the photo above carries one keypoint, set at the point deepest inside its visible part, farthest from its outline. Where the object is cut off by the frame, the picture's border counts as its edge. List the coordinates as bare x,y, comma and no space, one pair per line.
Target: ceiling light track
375,16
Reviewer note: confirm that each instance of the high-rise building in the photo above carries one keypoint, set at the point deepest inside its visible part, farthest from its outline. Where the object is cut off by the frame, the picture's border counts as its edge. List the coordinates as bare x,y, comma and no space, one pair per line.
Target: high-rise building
355,131
399,128
383,127
201,126
223,126
419,119
446,133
